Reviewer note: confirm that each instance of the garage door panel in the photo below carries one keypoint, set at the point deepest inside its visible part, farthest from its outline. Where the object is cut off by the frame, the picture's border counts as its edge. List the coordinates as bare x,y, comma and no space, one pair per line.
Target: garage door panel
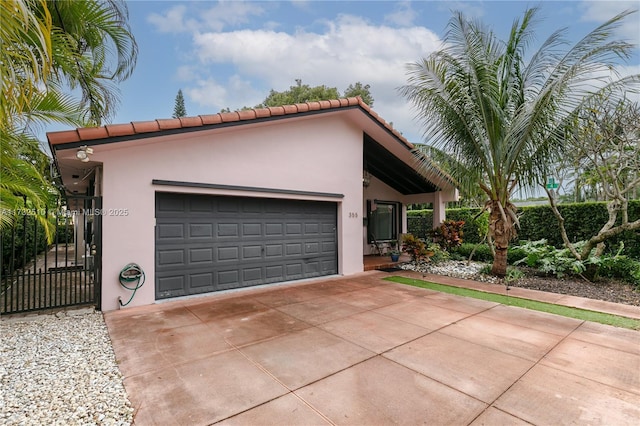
252,230
274,229
226,229
171,231
211,243
228,253
200,255
171,258
201,280
200,230
172,285
274,250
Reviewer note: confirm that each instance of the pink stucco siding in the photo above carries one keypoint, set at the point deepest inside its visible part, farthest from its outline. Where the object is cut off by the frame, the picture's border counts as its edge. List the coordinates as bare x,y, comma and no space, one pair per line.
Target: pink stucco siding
307,155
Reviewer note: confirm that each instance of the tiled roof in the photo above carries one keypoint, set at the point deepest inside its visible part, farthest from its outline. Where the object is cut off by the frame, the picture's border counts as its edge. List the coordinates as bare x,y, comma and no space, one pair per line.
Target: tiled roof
158,126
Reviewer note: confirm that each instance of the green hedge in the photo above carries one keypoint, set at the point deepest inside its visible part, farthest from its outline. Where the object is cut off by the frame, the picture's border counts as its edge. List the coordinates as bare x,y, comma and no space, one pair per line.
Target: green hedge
582,221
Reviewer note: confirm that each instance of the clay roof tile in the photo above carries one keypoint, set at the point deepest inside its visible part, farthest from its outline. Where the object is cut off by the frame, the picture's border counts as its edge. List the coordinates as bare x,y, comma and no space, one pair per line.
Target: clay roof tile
125,129
89,133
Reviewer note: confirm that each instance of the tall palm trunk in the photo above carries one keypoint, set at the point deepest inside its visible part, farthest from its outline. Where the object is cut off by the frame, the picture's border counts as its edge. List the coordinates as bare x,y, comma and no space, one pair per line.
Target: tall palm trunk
502,229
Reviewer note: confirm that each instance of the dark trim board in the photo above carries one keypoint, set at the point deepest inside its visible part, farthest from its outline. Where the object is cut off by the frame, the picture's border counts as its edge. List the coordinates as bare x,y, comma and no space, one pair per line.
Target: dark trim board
244,188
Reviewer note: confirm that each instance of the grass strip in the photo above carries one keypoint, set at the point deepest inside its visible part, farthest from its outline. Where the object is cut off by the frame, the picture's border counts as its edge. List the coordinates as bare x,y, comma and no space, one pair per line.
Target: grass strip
566,311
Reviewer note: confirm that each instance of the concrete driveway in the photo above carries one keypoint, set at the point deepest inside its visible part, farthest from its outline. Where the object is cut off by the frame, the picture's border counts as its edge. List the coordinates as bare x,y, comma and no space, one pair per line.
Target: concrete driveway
359,350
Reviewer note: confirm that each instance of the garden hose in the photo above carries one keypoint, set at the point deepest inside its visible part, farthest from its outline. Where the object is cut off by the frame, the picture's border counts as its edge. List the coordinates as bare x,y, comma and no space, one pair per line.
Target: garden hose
132,273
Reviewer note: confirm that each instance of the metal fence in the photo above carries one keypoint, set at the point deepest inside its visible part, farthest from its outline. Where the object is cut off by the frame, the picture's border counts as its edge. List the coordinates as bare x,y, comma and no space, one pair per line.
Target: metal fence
37,275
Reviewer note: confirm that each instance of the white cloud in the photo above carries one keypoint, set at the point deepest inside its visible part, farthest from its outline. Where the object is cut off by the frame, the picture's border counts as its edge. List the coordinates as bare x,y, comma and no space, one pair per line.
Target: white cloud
403,16
185,73
470,9
236,92
601,11
172,21
349,50
216,18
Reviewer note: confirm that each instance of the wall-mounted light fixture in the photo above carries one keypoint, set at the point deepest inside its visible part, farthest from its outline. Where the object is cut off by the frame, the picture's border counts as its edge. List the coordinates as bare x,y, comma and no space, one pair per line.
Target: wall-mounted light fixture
366,178
83,153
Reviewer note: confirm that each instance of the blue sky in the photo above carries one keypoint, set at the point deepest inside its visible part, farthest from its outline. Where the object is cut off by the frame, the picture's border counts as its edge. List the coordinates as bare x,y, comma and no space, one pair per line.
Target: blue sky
231,53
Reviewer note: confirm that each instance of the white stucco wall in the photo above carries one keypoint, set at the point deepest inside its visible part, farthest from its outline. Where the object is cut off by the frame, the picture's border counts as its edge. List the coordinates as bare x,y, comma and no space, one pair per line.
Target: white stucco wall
312,154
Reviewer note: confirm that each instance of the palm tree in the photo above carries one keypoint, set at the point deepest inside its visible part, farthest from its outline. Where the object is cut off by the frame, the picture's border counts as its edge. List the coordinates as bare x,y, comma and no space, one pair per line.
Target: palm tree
498,110
50,48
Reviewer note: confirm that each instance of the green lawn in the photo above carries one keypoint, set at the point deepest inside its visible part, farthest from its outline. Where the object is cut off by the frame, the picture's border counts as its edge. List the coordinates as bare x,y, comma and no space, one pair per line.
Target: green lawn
581,314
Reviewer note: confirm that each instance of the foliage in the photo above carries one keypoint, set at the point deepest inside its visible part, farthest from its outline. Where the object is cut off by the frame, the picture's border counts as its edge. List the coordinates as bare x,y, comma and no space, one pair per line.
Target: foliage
179,110
603,137
449,234
301,93
438,254
537,222
621,267
550,260
513,274
358,89
416,248
499,117
49,49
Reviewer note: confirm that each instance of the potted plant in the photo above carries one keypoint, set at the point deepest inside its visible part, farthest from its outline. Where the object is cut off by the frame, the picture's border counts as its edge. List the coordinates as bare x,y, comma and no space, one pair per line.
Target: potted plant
393,250
395,255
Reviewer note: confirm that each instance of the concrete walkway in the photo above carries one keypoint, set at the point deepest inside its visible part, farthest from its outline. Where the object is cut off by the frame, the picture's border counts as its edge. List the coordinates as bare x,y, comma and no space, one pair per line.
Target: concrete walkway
359,350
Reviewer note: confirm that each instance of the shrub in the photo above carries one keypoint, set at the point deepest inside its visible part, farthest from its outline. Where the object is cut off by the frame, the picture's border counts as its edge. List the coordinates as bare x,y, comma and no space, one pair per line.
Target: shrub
621,267
582,220
439,255
482,253
448,234
549,259
416,248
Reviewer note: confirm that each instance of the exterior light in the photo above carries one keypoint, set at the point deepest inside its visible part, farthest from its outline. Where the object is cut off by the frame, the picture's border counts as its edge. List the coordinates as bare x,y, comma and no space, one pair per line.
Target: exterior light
366,178
83,153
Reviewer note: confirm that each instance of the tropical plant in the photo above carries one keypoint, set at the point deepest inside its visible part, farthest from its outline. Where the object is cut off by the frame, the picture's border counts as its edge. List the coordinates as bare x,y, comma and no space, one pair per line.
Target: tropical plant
416,248
498,110
48,50
605,137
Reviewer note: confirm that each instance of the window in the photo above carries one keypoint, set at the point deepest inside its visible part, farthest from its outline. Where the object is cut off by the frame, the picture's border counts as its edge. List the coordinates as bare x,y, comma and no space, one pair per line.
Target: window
383,221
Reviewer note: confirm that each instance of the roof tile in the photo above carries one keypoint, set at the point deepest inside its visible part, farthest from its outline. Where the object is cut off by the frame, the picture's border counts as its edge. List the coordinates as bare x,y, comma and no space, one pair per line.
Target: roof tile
247,114
290,109
170,123
278,110
124,129
64,136
89,133
263,112
145,126
191,121
211,119
230,116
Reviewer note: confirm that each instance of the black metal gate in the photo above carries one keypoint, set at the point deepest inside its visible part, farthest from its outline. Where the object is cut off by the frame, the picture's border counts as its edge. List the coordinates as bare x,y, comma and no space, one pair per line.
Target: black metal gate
37,275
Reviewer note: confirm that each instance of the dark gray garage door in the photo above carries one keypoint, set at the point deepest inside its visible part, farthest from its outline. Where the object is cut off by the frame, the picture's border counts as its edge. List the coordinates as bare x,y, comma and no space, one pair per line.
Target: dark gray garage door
206,243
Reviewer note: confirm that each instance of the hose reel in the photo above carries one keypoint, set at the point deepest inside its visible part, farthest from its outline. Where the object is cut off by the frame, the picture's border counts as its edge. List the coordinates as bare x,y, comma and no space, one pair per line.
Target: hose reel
132,278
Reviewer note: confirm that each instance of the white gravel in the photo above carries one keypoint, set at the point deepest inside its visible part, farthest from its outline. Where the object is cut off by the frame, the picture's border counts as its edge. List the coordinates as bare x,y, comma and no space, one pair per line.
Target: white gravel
60,369
453,268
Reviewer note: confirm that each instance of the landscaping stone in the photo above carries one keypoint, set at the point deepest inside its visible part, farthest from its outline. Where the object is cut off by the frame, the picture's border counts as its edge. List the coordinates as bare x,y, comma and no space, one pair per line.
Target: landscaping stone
60,369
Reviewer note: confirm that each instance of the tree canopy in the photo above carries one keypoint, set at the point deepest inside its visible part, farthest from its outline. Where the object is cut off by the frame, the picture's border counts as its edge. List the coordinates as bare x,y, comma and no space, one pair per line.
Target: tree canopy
499,110
51,49
301,93
179,109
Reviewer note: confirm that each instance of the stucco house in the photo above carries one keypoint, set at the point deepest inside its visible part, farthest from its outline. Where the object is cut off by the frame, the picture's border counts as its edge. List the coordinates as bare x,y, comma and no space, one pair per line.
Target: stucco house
245,198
